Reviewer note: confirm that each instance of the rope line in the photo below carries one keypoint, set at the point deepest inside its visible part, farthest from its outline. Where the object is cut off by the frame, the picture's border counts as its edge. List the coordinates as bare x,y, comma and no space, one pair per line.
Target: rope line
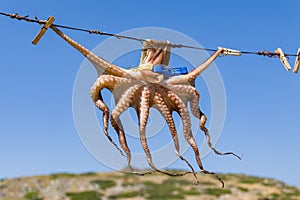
98,32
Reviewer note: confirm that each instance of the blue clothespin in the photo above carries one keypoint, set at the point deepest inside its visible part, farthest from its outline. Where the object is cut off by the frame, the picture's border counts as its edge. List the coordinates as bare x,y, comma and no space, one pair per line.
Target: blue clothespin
175,71
158,69
168,71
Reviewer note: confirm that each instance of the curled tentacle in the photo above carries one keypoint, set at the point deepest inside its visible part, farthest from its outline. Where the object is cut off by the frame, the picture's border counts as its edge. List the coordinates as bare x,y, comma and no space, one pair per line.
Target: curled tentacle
182,110
202,118
194,96
105,81
214,174
165,111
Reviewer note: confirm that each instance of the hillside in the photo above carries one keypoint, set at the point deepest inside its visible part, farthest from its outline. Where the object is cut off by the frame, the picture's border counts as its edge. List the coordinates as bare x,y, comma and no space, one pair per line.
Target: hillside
123,186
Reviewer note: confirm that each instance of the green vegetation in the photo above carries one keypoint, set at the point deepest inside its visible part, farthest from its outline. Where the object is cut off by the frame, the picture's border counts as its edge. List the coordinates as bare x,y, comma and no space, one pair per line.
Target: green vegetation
224,177
70,175
206,183
287,193
127,176
243,189
229,176
192,191
125,184
32,196
88,174
168,189
217,192
250,180
275,196
86,195
2,186
104,184
290,192
176,171
61,175
154,191
126,195
177,182
116,176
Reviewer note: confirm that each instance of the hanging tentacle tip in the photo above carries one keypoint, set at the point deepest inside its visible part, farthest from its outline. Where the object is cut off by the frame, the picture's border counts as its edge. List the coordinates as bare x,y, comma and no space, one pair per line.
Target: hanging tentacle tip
138,174
237,156
196,182
230,153
242,155
214,174
142,173
122,154
223,184
220,179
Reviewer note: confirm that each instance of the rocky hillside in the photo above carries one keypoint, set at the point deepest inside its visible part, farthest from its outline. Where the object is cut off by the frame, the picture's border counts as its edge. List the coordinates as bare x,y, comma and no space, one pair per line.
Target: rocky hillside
123,186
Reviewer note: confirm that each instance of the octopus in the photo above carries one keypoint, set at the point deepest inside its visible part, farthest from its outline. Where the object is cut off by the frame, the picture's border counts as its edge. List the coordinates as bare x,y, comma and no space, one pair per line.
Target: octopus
141,88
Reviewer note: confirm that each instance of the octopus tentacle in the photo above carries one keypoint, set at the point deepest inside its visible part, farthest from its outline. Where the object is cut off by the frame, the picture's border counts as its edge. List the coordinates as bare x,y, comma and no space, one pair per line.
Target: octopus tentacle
143,113
123,104
161,106
105,81
127,83
126,101
187,92
201,116
192,75
181,109
194,96
117,124
99,63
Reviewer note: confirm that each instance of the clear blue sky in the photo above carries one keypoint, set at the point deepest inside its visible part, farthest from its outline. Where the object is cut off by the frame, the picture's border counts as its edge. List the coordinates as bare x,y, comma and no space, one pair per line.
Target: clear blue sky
38,135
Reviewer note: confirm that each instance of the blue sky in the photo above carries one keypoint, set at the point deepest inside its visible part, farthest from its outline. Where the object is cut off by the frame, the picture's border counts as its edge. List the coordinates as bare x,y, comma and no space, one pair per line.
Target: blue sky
38,135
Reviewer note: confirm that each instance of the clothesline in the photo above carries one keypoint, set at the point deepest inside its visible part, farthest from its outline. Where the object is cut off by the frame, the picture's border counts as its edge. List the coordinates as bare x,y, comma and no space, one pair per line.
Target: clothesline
48,23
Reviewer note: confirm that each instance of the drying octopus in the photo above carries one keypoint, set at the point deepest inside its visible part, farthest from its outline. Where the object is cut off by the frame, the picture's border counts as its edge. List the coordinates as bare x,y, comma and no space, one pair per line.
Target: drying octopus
142,89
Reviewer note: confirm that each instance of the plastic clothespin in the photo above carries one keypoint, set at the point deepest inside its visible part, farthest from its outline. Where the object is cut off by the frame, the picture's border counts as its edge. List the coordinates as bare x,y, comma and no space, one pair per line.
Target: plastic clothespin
175,71
297,63
168,71
158,69
230,52
49,22
283,59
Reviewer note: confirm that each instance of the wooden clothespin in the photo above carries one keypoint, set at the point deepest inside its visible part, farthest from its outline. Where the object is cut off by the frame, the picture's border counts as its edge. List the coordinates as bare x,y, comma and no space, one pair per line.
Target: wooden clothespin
283,59
49,22
297,63
230,52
